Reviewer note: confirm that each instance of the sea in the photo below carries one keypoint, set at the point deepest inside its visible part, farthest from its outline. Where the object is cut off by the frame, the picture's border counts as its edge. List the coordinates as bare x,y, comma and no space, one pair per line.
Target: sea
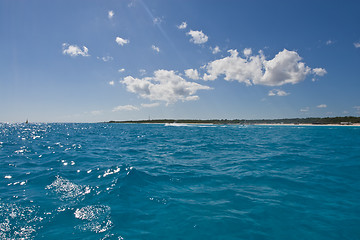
156,181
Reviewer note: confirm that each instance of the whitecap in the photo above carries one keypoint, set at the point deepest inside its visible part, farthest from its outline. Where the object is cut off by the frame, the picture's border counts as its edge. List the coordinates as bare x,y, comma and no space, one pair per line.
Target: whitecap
97,218
67,190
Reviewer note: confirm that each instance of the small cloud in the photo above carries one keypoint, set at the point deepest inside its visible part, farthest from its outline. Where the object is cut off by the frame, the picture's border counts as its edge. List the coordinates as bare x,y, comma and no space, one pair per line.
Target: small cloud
150,105
155,48
112,83
197,37
157,20
96,112
106,58
111,14
277,92
74,50
319,71
329,42
183,25
125,108
121,70
122,41
305,109
142,72
321,106
247,52
215,50
357,44
192,74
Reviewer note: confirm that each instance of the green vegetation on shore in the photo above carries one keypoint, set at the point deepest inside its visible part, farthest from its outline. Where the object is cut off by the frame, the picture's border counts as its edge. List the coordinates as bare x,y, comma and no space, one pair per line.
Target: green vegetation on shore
328,120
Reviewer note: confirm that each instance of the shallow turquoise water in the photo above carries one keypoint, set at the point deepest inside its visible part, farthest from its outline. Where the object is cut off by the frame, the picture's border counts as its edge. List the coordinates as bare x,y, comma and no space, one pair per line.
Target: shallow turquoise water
114,181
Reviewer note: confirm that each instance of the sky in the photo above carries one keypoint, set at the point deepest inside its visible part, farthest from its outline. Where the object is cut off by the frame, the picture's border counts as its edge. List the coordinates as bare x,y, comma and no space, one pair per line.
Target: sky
94,61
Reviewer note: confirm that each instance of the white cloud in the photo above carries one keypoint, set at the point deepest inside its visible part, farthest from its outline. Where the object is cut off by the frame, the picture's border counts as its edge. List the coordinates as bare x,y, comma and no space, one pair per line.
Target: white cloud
329,42
321,106
319,71
247,52
305,109
74,50
155,48
121,70
183,25
125,108
164,86
277,92
192,74
215,50
111,14
357,44
150,105
122,41
197,37
112,83
286,67
106,58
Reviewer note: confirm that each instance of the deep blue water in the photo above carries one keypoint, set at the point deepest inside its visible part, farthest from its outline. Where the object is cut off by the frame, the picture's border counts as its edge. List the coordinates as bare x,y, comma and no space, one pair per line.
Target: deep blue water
114,181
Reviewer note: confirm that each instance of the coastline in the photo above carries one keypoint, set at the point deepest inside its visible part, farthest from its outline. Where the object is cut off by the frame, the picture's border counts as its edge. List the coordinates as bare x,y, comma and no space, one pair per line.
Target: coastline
312,121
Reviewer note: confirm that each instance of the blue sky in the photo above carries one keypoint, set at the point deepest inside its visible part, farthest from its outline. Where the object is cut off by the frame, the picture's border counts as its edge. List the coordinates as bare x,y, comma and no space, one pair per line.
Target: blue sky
90,61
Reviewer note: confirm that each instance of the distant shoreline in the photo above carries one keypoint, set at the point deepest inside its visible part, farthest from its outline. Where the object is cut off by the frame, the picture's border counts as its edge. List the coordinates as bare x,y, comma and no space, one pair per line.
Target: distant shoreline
336,121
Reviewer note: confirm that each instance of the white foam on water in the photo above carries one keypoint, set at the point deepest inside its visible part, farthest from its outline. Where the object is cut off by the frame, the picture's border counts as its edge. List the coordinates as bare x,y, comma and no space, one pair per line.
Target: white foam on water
17,222
97,218
67,190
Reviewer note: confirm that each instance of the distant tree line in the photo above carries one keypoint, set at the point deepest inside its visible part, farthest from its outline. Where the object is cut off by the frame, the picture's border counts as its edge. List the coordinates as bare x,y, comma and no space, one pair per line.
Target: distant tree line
311,120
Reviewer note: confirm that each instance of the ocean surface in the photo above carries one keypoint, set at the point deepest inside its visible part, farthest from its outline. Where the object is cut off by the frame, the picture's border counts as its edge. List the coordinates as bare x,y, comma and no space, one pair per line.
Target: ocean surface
152,181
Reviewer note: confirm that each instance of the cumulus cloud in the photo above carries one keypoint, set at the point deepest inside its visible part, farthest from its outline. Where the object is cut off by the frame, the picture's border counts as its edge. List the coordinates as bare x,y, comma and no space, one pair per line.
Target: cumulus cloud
357,44
122,41
112,83
150,105
192,74
215,50
247,52
197,37
74,50
277,92
121,70
319,71
111,14
155,48
125,108
164,86
321,106
285,68
183,25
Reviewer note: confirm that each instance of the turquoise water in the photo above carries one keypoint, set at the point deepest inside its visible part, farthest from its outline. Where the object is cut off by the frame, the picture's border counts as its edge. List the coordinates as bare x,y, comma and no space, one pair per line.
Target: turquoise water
122,181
